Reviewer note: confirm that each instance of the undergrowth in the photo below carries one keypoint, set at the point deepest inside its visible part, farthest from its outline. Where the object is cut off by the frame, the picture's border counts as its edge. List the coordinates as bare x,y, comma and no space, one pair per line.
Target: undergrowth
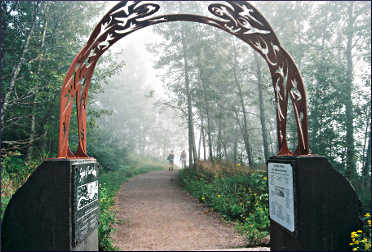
239,198
14,173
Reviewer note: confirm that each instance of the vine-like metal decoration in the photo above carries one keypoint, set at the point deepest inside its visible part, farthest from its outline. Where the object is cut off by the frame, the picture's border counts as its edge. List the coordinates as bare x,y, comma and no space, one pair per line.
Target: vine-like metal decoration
238,18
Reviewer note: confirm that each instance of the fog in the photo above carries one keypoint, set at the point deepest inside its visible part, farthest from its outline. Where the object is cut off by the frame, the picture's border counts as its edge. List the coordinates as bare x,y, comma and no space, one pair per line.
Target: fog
148,101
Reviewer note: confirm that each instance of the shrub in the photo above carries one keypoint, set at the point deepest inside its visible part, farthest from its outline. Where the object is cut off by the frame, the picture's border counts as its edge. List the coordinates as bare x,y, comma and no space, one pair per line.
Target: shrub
14,173
239,198
106,219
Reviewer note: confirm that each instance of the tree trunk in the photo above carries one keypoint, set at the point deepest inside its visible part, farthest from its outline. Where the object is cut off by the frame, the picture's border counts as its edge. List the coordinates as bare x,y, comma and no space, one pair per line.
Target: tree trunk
192,149
204,145
195,155
317,118
367,156
262,111
366,169
245,127
199,145
219,140
235,151
204,91
209,134
225,150
350,149
200,137
17,69
33,117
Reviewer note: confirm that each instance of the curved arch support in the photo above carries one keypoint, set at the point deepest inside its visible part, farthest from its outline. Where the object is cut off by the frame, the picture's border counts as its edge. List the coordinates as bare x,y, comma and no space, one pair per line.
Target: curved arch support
238,18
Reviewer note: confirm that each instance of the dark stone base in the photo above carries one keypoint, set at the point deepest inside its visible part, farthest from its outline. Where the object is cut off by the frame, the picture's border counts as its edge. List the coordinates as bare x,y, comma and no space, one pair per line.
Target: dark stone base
39,215
327,209
89,244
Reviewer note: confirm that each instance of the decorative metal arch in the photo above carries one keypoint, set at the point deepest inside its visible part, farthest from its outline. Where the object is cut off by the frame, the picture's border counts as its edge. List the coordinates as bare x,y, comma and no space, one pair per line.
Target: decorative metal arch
238,18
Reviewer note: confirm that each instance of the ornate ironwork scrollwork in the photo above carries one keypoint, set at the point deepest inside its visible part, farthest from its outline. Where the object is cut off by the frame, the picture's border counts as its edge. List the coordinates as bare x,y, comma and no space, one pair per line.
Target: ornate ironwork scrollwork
236,17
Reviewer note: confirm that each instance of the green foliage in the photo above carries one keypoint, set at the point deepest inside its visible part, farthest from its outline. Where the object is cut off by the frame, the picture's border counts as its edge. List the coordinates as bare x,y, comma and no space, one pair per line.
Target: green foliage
14,173
106,218
362,185
60,30
242,199
111,157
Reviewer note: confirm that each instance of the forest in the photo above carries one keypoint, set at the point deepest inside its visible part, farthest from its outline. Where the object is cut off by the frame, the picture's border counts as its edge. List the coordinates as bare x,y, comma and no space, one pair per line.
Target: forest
185,86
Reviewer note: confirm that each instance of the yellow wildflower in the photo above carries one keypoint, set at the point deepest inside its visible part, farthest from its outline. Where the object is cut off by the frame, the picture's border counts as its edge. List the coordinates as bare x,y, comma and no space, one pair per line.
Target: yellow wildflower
203,198
354,234
369,222
351,243
367,215
265,178
355,249
238,165
359,231
219,195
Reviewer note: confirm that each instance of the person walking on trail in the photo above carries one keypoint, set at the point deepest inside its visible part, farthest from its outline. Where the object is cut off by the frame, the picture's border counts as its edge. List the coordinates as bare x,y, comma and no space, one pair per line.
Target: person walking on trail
171,161
183,159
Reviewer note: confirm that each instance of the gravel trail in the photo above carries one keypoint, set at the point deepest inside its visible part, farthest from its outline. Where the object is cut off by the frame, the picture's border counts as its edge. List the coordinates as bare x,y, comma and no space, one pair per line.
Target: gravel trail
157,214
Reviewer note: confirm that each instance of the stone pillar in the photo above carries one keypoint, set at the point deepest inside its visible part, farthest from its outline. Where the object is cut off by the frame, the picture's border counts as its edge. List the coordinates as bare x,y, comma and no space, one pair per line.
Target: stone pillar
311,205
56,209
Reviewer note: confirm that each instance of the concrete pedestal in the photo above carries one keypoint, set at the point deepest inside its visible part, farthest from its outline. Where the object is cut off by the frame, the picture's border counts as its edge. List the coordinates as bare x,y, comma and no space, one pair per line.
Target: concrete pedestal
326,208
56,209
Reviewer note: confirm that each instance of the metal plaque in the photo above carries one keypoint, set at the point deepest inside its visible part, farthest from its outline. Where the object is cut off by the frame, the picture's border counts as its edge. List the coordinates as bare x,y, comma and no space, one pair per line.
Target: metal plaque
281,198
85,203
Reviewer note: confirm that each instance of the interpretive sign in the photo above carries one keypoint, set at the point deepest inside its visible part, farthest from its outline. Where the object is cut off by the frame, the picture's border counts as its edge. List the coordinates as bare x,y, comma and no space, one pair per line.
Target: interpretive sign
85,211
281,199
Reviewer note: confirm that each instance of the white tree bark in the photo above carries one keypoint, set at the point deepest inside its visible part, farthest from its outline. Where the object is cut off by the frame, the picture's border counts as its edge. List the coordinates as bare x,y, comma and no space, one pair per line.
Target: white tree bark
16,70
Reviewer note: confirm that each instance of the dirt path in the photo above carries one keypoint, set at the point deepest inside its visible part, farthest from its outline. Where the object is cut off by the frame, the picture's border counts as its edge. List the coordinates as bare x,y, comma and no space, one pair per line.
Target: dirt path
157,214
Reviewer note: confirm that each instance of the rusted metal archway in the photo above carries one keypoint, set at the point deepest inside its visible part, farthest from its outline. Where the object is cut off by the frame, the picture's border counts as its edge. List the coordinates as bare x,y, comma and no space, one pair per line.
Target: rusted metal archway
238,18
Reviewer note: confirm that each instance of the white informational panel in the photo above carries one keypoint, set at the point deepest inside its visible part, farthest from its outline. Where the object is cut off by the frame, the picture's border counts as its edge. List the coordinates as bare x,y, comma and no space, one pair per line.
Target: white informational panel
281,202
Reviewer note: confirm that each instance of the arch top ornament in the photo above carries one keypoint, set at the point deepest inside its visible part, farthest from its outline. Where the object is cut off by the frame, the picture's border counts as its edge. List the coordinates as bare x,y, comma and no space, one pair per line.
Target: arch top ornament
238,18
